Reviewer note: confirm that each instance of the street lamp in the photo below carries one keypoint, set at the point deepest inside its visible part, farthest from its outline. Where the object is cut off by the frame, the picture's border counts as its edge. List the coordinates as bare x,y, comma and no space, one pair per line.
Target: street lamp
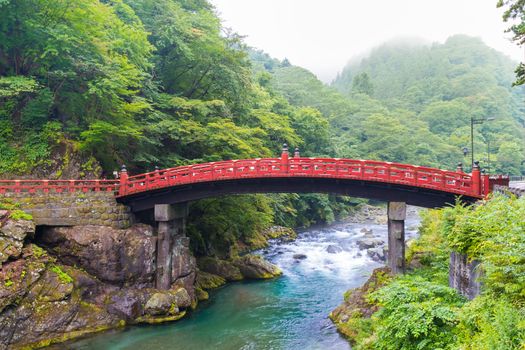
472,122
488,155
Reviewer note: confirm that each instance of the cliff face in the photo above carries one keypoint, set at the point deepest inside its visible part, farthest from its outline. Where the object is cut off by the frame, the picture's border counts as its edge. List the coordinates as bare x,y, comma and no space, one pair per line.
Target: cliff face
68,281
58,283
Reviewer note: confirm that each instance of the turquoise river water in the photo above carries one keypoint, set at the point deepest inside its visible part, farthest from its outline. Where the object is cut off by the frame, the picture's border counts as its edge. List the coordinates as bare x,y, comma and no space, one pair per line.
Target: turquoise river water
290,312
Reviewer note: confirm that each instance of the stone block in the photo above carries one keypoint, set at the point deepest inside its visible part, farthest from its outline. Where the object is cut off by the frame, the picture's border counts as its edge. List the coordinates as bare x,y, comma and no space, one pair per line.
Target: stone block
397,210
168,212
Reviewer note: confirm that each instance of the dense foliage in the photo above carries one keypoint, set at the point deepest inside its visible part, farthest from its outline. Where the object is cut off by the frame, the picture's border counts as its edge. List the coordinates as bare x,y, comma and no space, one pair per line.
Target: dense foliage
148,83
412,102
419,311
515,13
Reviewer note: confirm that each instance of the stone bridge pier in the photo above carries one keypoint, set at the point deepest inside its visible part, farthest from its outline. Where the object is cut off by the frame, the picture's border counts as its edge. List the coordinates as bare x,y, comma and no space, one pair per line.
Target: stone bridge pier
396,213
171,232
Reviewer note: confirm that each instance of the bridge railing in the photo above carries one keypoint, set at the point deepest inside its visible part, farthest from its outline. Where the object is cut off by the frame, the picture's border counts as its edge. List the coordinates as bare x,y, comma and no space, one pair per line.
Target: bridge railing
404,174
458,182
57,186
498,180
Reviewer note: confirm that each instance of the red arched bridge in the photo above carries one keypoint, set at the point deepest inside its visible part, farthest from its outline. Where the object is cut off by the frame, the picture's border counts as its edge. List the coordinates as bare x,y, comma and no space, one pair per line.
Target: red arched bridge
416,185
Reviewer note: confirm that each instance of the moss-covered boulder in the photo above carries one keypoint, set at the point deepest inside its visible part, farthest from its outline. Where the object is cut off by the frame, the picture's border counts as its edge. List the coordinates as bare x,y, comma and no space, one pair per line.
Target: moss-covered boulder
161,303
255,267
116,256
17,277
201,294
207,280
223,268
356,309
41,303
13,232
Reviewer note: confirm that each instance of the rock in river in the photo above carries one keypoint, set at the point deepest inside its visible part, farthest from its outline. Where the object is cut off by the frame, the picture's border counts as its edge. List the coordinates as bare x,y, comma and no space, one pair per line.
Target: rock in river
377,254
334,249
299,256
367,243
255,267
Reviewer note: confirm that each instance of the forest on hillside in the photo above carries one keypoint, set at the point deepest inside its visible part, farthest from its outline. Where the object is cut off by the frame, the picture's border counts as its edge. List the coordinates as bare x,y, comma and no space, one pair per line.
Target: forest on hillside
411,102
89,85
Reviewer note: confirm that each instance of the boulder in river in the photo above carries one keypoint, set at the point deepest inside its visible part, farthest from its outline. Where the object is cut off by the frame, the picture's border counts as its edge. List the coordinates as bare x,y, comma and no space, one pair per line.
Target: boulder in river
225,269
334,249
367,243
206,280
299,256
255,267
367,231
377,254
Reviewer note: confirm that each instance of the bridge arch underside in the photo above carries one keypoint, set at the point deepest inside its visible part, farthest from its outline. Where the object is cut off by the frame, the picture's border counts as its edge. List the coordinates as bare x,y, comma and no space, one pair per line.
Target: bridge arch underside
422,197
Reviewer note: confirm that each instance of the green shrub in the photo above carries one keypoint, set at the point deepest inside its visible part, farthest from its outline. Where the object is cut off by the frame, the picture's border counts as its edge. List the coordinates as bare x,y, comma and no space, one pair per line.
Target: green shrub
415,314
493,233
20,215
487,323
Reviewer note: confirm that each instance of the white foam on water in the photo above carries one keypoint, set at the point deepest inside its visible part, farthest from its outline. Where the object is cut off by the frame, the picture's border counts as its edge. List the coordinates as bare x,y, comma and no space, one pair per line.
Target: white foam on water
344,263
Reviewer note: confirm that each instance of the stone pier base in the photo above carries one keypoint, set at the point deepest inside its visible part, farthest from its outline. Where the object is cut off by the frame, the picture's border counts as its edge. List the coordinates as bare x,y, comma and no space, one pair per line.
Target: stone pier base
396,236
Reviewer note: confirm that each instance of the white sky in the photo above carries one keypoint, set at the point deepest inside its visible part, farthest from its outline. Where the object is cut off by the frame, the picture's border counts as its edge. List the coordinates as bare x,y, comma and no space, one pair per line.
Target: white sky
322,35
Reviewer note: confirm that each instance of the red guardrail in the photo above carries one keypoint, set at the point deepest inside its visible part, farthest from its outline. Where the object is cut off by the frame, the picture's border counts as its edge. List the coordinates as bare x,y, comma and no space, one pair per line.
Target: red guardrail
58,186
456,182
498,180
448,181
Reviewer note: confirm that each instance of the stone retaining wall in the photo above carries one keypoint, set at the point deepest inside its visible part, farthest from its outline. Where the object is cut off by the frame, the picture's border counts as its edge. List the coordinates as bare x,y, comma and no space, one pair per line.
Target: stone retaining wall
464,275
73,208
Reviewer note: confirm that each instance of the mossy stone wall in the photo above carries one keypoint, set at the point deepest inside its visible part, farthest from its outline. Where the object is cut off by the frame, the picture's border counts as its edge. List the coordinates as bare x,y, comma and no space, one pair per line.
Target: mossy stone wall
73,208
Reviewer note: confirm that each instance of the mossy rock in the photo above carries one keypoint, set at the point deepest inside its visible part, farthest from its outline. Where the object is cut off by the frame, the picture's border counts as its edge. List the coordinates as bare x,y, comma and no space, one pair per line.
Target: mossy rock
160,319
201,294
352,317
223,268
161,303
207,280
255,267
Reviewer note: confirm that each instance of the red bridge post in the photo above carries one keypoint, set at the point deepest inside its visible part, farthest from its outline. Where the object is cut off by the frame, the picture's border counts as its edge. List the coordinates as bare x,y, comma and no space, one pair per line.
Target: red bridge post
284,158
485,181
476,179
123,177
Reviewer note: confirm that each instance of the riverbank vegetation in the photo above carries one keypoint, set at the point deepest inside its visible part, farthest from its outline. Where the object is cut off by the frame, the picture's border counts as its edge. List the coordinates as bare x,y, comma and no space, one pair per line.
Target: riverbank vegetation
419,310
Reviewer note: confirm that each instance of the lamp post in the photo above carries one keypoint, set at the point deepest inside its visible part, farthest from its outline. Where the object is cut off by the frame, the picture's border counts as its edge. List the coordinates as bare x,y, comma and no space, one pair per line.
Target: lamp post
488,155
472,122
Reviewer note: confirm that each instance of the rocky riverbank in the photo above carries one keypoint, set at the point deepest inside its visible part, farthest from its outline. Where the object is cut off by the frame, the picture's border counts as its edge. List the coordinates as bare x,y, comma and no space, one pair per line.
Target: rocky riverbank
356,307
60,283
354,314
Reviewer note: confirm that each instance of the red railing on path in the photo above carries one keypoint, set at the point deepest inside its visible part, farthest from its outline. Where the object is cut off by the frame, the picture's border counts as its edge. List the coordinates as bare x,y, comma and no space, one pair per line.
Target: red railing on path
58,186
456,182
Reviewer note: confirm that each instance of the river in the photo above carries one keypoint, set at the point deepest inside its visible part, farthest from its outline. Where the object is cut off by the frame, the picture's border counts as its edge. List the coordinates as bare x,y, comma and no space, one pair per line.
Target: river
285,313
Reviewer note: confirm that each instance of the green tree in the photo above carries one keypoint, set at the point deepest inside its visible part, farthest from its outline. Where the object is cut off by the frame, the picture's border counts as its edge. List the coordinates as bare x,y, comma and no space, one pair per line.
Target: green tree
515,11
361,84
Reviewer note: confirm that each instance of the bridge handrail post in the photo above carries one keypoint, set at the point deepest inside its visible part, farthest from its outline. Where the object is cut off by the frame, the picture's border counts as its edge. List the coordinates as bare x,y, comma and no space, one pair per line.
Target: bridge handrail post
156,177
476,179
284,159
485,181
123,181
71,186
